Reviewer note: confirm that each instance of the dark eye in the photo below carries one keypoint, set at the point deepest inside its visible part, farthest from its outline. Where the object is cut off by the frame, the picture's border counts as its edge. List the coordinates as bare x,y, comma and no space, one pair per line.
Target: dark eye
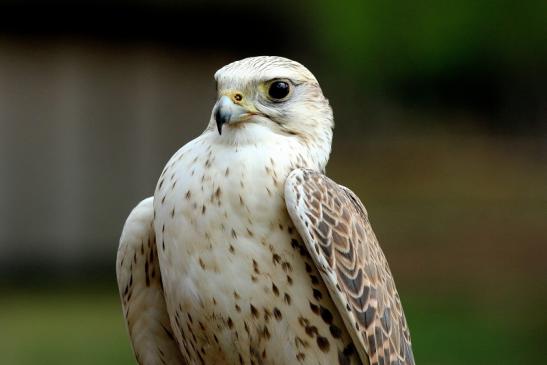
278,90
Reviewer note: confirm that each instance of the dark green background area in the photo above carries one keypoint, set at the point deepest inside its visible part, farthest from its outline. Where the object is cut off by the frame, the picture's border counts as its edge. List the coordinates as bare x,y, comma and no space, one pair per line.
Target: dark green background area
441,129
71,326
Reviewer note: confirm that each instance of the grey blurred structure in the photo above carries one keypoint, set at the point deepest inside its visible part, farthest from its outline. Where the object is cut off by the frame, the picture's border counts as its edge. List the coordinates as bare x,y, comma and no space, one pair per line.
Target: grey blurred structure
84,130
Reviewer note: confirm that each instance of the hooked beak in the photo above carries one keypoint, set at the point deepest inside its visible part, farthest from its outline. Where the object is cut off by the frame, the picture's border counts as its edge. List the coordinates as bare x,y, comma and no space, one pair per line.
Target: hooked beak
226,112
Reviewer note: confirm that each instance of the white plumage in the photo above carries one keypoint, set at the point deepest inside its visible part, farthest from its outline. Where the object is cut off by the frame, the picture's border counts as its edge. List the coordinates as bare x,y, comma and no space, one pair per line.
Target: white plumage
239,285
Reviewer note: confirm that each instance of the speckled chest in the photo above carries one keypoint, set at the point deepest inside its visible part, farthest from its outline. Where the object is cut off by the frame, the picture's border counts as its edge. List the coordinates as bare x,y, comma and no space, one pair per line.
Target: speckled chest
234,272
212,201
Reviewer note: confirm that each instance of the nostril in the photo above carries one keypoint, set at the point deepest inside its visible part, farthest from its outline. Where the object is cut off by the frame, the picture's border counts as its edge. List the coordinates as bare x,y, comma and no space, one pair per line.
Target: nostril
238,97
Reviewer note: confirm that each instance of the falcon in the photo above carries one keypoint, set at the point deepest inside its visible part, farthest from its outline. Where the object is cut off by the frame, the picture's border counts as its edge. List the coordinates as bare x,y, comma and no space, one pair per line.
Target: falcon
247,253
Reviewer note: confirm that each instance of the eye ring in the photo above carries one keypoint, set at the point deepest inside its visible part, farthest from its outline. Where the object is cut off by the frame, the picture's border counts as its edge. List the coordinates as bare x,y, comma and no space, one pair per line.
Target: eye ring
279,90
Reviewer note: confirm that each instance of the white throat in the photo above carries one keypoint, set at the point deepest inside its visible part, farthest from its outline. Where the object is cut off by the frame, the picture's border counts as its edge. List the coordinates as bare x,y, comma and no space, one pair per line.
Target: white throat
302,152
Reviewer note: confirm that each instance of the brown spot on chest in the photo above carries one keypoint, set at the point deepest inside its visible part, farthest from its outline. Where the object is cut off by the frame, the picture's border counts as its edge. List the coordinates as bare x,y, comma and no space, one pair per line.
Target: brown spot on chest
323,343
326,315
277,313
254,311
275,290
287,298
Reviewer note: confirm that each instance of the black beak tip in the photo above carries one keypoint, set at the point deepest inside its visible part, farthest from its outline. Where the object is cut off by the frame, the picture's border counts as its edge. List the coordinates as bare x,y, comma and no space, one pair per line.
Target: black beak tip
221,119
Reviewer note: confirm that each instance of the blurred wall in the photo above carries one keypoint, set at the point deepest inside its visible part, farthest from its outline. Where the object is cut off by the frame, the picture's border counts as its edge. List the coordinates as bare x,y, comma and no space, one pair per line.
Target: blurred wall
84,129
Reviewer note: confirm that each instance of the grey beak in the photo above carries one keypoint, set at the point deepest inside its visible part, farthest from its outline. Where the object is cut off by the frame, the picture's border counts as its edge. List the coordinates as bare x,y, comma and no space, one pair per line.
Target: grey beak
226,112
223,112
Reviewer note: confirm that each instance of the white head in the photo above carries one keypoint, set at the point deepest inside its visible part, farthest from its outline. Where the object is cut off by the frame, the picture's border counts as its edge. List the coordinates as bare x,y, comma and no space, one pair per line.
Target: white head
274,93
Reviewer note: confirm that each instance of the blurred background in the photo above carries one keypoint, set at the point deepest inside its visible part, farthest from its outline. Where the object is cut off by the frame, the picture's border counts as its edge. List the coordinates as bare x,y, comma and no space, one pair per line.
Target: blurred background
441,129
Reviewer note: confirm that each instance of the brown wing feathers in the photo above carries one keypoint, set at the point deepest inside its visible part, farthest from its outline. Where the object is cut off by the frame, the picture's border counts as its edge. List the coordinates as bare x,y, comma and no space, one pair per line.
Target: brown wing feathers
335,226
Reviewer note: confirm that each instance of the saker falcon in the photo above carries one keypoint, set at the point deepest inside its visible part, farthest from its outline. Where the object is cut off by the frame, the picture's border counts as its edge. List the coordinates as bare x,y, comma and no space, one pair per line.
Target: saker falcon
247,253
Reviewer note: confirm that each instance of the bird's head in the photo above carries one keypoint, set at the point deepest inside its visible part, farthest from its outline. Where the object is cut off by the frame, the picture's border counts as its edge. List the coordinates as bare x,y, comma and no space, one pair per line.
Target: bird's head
274,93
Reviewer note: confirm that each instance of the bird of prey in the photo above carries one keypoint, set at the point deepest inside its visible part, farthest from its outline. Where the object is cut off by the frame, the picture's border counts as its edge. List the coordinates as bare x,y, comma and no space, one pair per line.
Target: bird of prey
247,253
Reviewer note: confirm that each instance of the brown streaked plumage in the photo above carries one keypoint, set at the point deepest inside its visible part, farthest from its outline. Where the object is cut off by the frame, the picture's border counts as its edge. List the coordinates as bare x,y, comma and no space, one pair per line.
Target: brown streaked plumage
335,227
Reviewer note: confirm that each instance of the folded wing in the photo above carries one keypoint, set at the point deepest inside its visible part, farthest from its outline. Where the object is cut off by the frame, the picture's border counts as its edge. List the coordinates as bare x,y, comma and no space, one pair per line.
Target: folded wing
335,228
141,292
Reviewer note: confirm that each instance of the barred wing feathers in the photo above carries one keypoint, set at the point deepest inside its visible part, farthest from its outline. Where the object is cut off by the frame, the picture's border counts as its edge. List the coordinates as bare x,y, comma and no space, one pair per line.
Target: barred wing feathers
337,233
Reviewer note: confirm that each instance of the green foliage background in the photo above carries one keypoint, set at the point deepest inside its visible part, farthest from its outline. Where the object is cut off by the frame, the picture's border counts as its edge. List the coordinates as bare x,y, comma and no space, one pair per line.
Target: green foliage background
384,41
